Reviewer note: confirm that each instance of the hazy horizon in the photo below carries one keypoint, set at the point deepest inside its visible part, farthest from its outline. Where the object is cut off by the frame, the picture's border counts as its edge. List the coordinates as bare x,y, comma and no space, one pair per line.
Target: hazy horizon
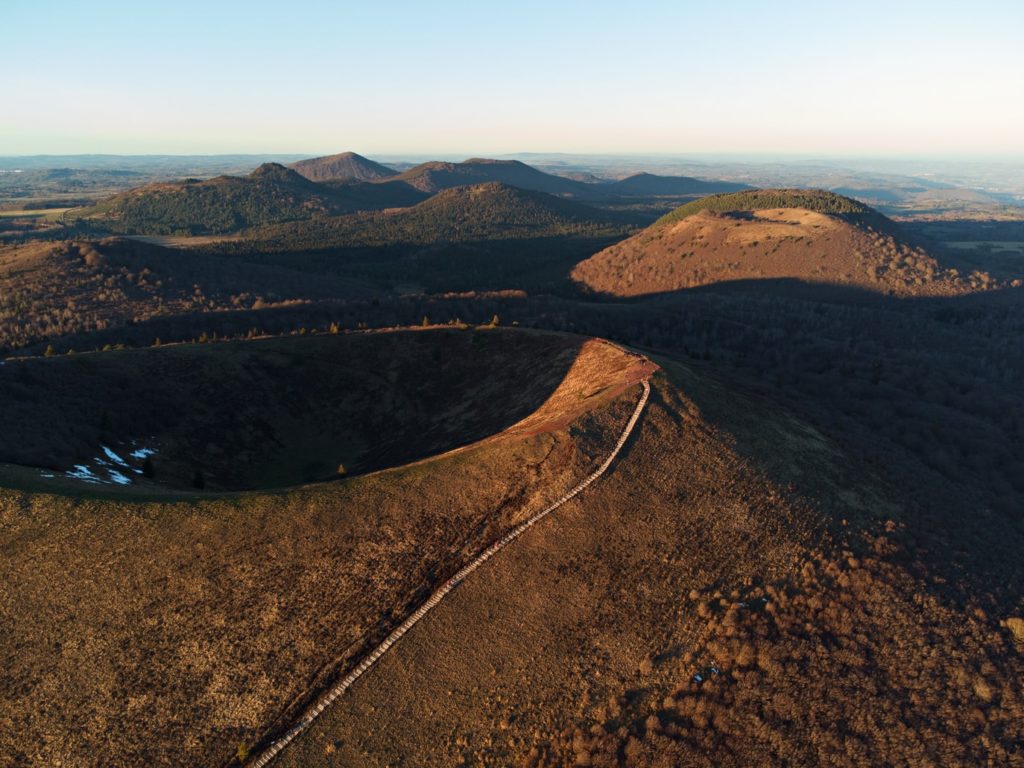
656,78
710,156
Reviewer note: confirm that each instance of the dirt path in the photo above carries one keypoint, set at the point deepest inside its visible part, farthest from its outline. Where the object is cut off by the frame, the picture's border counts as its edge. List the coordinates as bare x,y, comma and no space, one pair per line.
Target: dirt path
338,689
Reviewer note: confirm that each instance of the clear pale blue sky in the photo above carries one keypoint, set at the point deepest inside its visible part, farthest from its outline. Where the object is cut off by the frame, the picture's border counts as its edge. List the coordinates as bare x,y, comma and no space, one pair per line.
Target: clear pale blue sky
490,77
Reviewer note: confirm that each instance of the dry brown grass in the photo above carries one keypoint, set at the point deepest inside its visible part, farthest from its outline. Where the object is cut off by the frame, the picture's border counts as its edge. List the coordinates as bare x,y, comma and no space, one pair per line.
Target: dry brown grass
167,633
708,248
727,535
843,664
579,645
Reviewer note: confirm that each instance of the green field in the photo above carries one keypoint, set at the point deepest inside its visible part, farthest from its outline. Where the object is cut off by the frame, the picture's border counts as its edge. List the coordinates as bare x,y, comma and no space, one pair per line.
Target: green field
51,214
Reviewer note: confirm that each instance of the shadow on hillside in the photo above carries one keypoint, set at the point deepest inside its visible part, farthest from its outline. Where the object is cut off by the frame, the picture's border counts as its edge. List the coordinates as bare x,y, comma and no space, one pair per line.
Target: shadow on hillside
791,288
278,412
921,392
535,265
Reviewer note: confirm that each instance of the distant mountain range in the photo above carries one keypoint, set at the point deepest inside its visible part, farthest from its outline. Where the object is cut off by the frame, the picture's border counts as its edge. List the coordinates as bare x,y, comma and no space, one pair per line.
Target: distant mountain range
434,176
342,184
644,184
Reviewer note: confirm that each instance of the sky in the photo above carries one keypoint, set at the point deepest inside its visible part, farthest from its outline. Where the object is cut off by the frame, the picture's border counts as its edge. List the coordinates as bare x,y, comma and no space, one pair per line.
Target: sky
491,77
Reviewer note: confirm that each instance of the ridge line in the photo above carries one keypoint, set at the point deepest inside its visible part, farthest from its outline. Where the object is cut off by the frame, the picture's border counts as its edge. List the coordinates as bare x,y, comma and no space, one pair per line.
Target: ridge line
369,660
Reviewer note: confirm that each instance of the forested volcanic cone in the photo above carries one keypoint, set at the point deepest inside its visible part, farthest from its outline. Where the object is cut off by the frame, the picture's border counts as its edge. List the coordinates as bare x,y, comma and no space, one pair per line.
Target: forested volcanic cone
810,236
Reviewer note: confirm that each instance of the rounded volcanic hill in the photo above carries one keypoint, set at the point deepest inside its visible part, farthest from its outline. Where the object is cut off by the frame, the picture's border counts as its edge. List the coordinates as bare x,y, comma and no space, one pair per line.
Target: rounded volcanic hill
436,175
271,194
346,166
498,209
810,236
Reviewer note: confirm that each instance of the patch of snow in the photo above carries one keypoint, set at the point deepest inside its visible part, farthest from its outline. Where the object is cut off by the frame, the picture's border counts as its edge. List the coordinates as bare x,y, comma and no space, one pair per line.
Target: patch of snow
118,478
142,453
113,456
82,472
698,678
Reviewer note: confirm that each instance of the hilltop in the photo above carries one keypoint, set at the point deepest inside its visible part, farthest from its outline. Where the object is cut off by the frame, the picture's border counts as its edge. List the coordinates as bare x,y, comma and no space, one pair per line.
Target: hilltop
435,176
816,200
346,166
807,235
270,194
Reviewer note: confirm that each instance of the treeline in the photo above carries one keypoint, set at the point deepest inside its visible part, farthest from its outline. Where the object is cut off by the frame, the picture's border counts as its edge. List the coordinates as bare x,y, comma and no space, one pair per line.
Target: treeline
760,199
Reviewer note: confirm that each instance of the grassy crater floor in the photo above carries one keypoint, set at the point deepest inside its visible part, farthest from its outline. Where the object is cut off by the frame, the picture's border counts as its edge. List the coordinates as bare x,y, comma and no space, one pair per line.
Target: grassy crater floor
275,412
